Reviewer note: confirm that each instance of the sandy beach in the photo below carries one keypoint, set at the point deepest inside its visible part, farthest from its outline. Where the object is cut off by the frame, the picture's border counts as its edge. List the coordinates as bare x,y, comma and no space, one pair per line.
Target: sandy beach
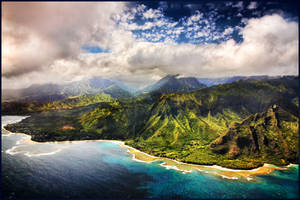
214,169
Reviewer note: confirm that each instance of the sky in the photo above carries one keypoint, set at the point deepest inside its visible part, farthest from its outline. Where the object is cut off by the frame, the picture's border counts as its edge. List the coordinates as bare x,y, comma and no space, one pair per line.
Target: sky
140,42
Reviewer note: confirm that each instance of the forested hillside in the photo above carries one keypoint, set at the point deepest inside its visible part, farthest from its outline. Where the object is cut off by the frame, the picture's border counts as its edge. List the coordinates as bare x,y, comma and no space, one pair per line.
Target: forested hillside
239,125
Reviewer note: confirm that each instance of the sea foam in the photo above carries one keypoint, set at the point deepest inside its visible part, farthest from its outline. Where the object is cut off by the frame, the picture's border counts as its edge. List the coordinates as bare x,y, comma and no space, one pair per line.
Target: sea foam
28,154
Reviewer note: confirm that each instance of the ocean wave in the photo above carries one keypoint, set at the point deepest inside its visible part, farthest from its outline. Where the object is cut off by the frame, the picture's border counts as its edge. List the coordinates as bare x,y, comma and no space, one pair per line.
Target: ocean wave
22,140
187,171
11,119
13,151
169,166
224,169
138,160
227,177
292,165
6,134
165,165
28,154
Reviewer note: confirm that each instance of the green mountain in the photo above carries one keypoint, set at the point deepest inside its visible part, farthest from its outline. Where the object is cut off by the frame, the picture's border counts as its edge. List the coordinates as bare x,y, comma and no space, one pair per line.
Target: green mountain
37,98
72,102
45,93
223,80
171,84
116,92
17,108
271,135
34,93
94,86
193,127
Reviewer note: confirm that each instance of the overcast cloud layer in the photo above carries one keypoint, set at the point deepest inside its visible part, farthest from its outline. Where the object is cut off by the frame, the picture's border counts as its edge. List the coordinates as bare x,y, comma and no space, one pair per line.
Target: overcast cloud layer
43,42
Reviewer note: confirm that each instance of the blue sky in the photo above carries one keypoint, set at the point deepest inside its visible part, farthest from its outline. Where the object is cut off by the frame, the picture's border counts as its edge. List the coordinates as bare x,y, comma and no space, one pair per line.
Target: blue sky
198,22
94,49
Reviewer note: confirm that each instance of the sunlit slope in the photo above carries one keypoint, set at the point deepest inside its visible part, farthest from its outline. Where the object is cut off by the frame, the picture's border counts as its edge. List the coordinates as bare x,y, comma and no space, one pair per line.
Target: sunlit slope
188,126
271,135
17,108
210,111
183,126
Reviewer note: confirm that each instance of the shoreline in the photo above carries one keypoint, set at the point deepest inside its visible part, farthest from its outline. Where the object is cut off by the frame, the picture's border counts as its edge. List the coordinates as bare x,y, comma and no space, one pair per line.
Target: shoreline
57,142
212,169
168,163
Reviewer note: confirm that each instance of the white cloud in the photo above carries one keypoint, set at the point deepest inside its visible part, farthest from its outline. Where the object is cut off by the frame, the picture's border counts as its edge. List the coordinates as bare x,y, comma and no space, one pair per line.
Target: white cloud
228,31
194,19
34,36
170,25
264,51
152,13
147,25
252,5
141,8
202,34
178,30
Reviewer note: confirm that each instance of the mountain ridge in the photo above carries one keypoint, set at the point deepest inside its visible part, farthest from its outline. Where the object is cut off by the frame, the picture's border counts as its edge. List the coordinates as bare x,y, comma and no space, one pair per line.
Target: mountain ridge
262,134
171,84
180,126
52,92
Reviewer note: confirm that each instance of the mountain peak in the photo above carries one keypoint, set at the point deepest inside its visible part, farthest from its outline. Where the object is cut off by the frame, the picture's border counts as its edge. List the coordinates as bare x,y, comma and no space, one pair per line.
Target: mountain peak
259,134
173,75
172,83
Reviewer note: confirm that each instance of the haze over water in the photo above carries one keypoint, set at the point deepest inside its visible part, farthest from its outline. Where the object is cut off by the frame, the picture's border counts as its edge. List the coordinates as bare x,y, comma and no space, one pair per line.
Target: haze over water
99,169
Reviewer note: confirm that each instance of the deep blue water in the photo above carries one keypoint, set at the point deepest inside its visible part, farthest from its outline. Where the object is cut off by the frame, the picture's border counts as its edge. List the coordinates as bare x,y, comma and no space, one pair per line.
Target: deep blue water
105,170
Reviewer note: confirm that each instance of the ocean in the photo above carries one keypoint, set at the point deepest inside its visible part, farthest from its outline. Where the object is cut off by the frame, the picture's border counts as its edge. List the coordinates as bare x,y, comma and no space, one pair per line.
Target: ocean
101,169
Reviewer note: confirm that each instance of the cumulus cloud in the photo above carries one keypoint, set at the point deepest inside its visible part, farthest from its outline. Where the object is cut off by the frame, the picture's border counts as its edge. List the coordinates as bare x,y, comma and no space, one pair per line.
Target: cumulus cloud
269,47
41,50
228,31
36,34
152,13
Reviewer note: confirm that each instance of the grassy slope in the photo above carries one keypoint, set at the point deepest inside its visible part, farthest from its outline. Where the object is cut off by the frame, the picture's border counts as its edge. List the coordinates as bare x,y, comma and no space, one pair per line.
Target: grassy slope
182,126
72,102
270,136
10,108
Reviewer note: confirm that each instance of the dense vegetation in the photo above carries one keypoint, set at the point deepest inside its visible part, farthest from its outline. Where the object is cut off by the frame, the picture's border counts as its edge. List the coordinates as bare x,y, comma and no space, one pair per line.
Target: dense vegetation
270,136
78,101
11,108
233,125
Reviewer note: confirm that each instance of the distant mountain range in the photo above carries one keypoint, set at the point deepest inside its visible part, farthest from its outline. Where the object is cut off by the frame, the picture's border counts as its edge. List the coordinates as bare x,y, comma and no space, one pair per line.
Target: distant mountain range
223,80
171,83
116,89
54,92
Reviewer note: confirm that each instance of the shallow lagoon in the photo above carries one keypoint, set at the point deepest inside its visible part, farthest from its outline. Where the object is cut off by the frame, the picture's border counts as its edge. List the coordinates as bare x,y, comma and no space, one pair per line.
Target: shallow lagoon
99,169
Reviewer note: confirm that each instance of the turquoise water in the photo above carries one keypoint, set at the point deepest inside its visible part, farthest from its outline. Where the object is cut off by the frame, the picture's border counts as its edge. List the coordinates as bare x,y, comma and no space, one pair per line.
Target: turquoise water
105,170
